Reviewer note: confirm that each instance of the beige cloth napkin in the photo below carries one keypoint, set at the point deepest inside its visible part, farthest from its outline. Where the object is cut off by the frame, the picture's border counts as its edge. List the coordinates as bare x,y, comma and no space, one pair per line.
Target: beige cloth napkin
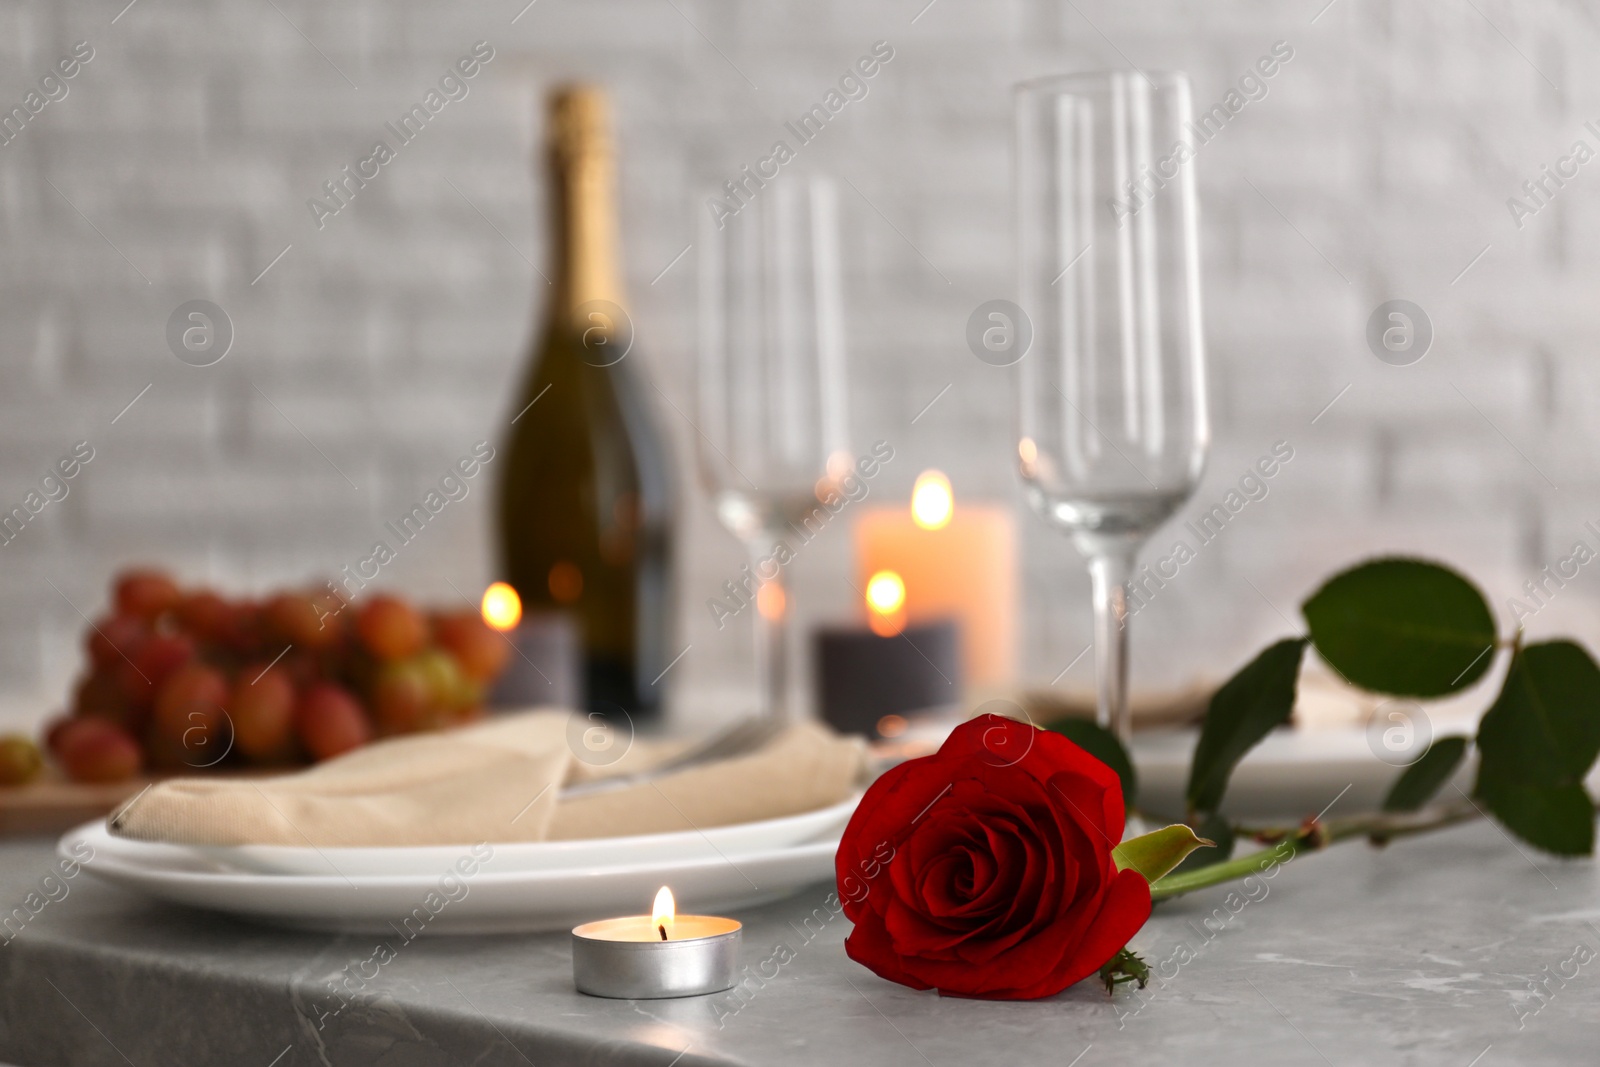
498,781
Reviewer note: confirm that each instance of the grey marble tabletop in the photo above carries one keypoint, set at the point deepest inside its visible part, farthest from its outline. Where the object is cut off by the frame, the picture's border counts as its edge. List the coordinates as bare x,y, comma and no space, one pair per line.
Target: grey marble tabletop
1457,950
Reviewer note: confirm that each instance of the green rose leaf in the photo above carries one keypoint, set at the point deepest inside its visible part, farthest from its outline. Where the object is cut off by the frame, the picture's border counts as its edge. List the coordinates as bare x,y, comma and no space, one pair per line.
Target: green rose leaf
1103,745
1248,707
1556,818
1420,781
1536,744
1159,851
1544,727
1404,627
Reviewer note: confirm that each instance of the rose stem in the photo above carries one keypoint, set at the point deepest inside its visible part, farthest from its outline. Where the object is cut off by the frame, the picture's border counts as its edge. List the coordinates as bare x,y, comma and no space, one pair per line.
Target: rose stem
1379,827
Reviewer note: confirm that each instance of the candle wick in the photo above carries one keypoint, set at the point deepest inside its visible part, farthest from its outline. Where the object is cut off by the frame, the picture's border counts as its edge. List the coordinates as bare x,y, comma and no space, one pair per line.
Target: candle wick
663,929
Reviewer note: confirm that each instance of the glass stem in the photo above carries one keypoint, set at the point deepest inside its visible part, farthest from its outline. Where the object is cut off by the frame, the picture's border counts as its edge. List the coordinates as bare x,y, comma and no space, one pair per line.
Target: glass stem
772,636
1109,572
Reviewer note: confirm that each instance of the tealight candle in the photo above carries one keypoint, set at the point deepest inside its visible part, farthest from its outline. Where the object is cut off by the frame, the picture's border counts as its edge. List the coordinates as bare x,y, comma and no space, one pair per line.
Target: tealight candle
650,957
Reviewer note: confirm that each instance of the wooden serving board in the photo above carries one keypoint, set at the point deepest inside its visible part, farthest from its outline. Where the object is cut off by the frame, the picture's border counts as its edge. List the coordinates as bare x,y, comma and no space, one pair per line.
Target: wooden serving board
51,804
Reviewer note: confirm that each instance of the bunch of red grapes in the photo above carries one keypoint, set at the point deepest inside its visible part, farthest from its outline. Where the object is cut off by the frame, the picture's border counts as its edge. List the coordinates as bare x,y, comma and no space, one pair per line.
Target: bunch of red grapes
184,679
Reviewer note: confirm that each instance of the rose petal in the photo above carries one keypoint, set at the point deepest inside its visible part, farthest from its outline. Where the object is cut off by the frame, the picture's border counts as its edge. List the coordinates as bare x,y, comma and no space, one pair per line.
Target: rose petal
941,884
892,807
927,845
1124,909
1095,805
914,935
1001,742
1059,865
1048,963
869,945
1034,905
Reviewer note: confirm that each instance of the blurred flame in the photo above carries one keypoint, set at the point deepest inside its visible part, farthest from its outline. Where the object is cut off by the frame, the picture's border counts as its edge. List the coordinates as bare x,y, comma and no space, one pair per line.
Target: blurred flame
932,502
886,602
502,607
892,726
1028,452
838,467
770,601
664,912
886,592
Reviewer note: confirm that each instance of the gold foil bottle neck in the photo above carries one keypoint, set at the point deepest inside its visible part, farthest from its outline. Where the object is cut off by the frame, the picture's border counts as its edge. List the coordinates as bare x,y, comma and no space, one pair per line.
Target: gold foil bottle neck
582,165
580,121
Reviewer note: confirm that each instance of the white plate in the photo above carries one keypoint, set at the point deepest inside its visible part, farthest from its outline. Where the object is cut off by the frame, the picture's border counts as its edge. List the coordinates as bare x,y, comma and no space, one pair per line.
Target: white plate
485,902
713,843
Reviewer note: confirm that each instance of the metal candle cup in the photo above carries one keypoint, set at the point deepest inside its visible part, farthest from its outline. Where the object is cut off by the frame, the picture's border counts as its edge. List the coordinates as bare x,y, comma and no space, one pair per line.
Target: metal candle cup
626,958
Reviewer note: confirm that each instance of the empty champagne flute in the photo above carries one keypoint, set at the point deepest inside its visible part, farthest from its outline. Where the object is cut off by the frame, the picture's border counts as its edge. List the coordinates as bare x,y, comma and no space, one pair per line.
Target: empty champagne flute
771,400
1111,400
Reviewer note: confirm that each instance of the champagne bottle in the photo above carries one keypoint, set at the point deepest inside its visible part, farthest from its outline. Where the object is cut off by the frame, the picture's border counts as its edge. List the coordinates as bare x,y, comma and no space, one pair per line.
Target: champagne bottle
586,496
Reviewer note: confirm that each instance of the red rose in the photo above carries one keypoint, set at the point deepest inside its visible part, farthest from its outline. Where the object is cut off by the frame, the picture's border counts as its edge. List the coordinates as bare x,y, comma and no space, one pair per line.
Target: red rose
985,869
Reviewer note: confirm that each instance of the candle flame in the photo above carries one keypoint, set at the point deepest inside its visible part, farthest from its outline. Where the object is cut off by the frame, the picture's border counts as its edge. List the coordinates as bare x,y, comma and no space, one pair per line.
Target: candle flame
502,607
886,601
664,912
932,502
886,592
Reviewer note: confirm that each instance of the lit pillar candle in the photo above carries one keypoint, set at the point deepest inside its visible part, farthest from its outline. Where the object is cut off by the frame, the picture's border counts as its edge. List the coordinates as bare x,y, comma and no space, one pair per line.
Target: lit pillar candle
955,562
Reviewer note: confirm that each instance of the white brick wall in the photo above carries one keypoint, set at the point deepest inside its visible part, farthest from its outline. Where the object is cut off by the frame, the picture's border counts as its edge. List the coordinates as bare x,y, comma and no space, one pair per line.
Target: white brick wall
392,338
